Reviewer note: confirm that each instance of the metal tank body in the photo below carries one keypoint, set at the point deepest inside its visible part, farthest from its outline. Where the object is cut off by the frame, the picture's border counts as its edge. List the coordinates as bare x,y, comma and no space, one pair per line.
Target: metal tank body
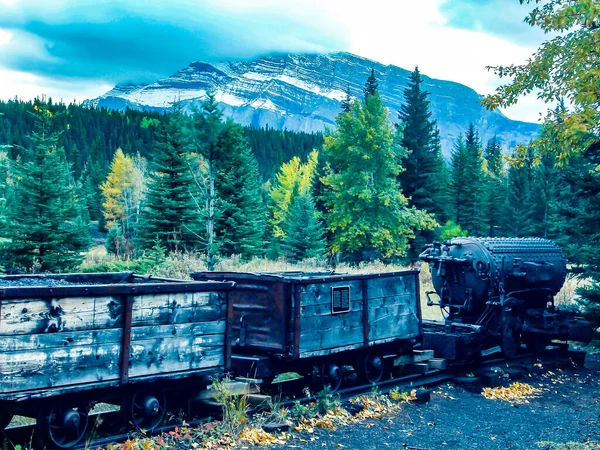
469,272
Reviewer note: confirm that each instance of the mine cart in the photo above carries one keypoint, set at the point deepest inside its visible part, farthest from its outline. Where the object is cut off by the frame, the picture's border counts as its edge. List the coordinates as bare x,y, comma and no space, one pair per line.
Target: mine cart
296,321
69,340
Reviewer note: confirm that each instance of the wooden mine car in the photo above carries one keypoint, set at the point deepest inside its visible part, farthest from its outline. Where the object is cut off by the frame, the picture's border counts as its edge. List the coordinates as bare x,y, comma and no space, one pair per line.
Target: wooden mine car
316,323
67,341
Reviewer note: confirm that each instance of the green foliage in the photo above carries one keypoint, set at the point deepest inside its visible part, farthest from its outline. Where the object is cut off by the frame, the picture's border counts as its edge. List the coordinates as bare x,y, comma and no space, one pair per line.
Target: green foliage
371,86
44,214
241,222
293,178
566,67
168,210
451,230
303,230
466,184
494,188
425,176
366,213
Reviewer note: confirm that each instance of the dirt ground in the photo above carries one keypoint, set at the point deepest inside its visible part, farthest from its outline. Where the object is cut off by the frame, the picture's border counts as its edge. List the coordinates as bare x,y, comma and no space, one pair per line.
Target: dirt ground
564,415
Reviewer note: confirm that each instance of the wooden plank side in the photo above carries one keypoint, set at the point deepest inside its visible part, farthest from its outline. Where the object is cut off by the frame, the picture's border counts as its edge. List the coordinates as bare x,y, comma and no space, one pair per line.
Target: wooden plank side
340,338
390,286
325,308
393,321
58,367
177,308
44,315
320,293
47,341
157,356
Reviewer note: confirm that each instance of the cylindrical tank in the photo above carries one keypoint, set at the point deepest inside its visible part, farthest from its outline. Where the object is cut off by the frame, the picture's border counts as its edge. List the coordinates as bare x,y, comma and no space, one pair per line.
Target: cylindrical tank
467,272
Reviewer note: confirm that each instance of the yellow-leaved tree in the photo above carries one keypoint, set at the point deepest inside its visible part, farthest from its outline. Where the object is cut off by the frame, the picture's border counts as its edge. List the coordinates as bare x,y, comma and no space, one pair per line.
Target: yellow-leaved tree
123,192
294,178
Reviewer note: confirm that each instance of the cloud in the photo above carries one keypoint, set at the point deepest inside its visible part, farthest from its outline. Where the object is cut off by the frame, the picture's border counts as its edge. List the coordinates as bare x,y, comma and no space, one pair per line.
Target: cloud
118,41
89,43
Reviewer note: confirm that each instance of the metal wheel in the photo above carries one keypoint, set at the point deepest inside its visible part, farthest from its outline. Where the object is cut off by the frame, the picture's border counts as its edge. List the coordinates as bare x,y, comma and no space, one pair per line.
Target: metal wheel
370,368
511,337
145,409
331,375
63,425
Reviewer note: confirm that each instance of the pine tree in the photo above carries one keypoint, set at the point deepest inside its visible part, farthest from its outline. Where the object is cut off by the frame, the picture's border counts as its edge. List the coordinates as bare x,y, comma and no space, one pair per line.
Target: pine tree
371,86
206,127
517,206
466,185
366,213
240,227
543,192
494,190
168,211
3,191
44,227
346,103
303,230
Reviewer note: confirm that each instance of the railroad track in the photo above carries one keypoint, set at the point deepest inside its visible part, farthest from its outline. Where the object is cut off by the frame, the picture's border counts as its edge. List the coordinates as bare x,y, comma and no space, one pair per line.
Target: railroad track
25,435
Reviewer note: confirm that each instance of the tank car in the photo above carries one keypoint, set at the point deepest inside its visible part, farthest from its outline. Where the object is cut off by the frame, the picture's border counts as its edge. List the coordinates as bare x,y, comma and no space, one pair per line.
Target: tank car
504,287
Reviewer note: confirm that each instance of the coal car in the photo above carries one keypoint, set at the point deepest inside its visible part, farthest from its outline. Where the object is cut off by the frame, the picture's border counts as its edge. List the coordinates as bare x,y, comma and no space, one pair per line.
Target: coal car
68,341
317,323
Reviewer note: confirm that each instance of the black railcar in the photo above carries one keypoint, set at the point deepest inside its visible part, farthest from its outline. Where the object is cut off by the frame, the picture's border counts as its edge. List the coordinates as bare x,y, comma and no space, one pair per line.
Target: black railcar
315,323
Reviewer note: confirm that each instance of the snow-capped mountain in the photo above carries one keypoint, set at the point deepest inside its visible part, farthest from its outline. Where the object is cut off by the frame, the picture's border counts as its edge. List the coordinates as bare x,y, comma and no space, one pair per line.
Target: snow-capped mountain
303,93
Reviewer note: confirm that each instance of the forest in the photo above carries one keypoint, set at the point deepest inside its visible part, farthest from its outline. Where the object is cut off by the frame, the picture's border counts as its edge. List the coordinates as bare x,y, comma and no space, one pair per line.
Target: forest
149,185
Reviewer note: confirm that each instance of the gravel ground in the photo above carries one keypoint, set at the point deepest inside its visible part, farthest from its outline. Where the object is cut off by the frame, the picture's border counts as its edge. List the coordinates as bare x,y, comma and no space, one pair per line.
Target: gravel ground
566,415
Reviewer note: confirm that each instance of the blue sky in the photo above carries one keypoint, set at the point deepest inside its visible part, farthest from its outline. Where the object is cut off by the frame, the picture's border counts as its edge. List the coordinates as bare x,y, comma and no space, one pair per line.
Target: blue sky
80,48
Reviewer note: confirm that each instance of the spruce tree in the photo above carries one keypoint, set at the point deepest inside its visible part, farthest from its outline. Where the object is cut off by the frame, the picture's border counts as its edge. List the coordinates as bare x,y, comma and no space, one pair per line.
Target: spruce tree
240,226
303,230
346,103
44,227
516,211
371,86
3,192
168,212
366,212
467,183
494,189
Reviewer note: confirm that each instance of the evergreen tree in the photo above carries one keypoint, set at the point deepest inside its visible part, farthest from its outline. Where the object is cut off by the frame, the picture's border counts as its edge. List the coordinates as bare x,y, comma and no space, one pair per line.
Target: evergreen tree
466,185
494,189
240,227
303,230
371,86
346,103
366,213
544,187
3,191
517,206
206,127
44,227
425,170
168,211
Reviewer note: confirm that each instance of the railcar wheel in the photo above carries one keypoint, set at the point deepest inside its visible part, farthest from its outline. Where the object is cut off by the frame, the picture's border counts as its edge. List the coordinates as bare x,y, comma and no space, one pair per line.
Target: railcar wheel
328,375
511,337
370,368
63,425
145,409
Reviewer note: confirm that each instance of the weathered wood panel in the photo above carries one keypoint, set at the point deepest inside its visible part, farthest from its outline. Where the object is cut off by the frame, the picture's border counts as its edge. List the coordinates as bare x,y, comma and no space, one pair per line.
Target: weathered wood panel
57,342
393,309
155,356
28,370
49,315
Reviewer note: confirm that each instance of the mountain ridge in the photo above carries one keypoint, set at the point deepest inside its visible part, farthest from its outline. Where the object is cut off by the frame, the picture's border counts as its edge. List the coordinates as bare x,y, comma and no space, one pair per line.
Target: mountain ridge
302,92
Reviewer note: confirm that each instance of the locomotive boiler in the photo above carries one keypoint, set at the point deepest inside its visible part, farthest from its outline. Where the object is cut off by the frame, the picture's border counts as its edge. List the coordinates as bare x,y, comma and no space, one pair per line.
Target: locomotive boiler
504,288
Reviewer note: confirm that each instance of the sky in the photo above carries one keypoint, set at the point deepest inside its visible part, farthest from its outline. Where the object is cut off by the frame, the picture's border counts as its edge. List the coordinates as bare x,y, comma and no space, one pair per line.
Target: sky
79,49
